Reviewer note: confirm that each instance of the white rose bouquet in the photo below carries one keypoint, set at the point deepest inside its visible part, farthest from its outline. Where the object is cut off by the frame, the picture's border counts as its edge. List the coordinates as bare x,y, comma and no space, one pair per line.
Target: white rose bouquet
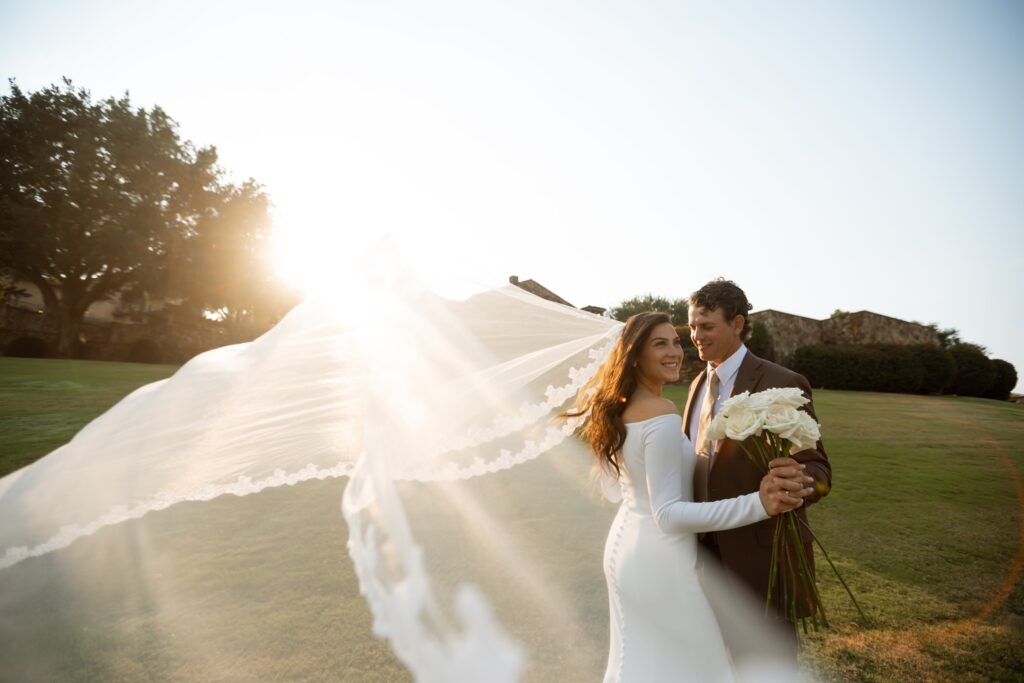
772,421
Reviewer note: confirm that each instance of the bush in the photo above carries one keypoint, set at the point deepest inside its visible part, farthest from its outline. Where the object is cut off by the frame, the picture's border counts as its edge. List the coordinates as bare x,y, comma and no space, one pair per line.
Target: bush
29,347
938,366
880,367
760,342
900,370
1004,382
974,371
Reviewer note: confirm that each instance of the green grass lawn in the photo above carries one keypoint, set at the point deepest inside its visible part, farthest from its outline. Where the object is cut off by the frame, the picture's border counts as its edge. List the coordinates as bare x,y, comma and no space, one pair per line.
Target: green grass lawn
925,521
44,402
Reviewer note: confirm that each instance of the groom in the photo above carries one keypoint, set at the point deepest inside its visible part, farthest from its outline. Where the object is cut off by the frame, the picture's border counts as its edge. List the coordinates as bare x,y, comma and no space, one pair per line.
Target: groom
719,323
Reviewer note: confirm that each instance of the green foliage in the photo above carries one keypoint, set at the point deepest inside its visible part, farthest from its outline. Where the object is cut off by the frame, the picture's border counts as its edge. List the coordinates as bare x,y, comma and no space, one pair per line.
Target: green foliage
938,366
974,371
99,198
1004,382
226,268
948,337
878,367
760,342
677,308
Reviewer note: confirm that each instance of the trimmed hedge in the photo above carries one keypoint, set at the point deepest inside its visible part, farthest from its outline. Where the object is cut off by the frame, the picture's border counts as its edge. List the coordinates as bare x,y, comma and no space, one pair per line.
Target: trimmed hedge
878,367
962,369
1004,382
974,371
939,368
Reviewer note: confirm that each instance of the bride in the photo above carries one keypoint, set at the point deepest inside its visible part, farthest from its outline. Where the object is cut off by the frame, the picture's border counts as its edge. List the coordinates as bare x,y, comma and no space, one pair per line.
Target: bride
662,626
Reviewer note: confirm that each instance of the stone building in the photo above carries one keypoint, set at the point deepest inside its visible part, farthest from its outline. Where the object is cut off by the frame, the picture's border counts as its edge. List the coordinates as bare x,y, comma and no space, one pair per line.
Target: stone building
787,332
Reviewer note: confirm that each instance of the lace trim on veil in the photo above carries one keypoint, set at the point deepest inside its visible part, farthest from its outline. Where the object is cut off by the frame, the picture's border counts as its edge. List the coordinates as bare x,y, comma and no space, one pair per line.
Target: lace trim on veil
501,426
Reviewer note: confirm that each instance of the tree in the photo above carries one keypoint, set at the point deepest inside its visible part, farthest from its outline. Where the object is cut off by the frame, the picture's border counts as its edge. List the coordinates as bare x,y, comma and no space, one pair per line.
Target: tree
226,269
93,196
948,337
677,308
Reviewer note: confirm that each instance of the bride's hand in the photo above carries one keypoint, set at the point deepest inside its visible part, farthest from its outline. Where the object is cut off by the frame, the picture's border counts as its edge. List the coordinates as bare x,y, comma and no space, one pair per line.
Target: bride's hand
780,495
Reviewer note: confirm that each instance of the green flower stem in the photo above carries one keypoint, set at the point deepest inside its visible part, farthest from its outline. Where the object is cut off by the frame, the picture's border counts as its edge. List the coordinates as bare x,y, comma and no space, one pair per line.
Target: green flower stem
805,569
836,571
789,562
773,567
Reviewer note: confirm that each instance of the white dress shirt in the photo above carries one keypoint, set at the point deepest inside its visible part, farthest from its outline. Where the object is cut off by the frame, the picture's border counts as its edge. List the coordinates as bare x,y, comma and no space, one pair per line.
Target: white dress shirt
727,371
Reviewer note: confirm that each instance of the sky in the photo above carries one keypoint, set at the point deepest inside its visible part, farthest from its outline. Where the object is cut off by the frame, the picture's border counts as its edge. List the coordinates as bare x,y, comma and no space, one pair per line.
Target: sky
858,156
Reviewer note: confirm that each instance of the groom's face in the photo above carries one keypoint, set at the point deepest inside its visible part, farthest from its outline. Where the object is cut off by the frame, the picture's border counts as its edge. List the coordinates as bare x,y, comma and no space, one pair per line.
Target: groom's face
715,337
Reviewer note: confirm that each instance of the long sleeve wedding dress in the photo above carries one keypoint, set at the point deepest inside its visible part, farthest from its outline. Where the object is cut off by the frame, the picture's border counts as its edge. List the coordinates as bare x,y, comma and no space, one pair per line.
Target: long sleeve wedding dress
662,626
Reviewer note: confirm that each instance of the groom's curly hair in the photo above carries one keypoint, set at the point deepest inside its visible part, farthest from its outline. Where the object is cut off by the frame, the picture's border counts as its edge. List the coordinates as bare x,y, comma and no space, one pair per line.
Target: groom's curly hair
728,297
603,400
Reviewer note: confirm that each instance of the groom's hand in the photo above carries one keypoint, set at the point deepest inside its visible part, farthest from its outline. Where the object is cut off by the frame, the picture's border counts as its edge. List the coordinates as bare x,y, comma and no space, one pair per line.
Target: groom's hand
776,497
790,476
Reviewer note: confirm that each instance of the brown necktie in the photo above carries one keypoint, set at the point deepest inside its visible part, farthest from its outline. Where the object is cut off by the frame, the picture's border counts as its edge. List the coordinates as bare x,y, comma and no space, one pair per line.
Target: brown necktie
704,445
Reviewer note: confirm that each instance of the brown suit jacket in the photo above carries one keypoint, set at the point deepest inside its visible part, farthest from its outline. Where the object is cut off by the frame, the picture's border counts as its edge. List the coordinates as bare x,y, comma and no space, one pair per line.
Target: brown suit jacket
746,551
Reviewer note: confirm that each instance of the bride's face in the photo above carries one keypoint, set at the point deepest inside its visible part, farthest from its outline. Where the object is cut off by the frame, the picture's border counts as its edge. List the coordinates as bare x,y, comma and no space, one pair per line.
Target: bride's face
662,355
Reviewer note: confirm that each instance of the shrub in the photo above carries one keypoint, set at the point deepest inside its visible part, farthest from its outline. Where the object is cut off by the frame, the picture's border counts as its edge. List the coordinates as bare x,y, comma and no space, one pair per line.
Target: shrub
1004,382
815,363
29,347
881,367
938,366
899,369
974,371
760,342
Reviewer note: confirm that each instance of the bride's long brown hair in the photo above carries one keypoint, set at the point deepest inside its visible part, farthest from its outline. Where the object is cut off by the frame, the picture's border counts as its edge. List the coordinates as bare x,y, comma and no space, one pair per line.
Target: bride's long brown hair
603,399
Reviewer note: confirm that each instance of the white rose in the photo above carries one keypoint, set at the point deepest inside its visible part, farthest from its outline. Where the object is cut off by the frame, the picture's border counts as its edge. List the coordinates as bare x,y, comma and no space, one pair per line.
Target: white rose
716,430
762,400
741,425
737,403
782,420
785,396
806,434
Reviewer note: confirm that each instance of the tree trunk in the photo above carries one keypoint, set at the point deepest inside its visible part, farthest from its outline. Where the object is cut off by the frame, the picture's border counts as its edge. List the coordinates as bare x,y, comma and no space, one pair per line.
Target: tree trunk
51,304
67,330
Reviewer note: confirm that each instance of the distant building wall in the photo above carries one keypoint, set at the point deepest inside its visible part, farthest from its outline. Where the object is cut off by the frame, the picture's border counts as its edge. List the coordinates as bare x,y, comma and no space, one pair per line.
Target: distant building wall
788,332
99,311
865,327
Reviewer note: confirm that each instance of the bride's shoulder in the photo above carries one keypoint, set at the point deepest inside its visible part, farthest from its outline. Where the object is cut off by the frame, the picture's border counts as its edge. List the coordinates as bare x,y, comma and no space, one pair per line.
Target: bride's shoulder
642,409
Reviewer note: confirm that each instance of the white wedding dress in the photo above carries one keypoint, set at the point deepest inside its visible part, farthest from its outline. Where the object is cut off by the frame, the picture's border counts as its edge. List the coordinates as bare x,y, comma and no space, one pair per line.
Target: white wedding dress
662,626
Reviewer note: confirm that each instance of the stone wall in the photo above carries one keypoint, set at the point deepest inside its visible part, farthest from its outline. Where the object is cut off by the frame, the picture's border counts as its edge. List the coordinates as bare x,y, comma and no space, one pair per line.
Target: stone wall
865,327
788,332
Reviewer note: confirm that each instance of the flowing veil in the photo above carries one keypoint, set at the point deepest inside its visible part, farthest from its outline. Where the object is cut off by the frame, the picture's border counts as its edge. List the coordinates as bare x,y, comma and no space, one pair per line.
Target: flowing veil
188,532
